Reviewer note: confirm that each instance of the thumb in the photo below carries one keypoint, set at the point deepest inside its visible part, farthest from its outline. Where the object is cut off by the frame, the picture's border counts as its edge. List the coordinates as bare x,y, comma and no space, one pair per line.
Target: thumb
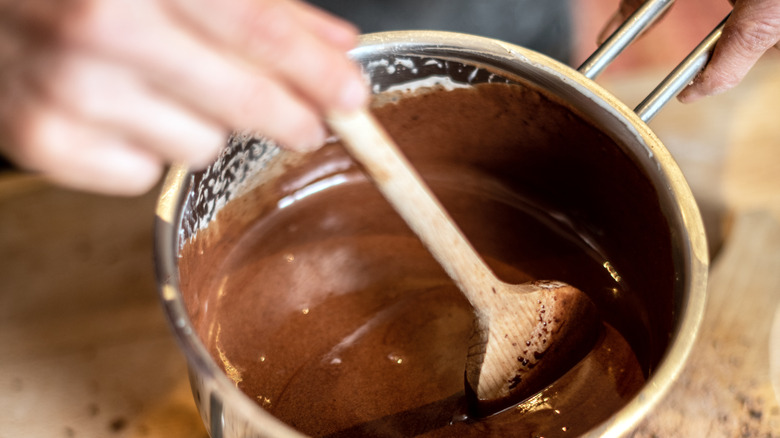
751,30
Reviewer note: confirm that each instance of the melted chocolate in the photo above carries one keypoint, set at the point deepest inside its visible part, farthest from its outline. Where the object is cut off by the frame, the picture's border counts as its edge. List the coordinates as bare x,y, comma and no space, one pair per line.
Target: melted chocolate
322,306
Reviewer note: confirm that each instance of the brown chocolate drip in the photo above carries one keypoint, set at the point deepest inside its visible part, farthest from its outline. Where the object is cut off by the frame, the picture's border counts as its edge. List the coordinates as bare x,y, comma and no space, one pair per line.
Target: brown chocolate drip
331,315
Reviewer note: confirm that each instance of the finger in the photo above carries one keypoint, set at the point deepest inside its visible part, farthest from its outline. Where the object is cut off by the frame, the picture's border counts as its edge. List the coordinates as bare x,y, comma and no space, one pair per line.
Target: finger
286,37
238,95
75,154
752,28
334,30
112,97
626,8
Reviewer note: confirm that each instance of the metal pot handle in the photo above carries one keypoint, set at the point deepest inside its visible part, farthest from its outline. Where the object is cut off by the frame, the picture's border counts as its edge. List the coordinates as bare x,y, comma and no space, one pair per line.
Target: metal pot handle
629,31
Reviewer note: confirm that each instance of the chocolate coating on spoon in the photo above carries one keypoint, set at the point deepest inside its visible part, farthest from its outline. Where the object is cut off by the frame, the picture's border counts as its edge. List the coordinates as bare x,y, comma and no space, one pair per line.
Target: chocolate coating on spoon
509,318
565,328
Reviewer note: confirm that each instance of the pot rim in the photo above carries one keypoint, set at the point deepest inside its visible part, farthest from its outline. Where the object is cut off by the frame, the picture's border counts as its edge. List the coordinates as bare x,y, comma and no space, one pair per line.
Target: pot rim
178,180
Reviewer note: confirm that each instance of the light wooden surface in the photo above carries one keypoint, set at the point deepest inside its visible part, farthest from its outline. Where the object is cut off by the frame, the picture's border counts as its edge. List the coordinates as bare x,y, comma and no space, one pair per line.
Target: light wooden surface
84,348
85,352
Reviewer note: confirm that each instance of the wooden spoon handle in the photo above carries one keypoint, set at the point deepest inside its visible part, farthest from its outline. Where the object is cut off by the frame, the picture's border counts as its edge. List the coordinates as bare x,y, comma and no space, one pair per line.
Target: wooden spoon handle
370,144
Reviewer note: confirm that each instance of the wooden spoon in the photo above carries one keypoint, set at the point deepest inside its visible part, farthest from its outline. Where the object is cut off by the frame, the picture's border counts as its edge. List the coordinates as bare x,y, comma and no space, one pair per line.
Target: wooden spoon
525,335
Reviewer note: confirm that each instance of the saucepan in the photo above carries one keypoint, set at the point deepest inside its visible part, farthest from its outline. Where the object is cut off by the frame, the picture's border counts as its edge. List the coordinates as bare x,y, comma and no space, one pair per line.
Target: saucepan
643,212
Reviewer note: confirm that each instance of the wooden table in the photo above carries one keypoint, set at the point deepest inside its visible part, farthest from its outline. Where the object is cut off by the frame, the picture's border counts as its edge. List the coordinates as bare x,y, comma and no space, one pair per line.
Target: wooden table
85,351
84,348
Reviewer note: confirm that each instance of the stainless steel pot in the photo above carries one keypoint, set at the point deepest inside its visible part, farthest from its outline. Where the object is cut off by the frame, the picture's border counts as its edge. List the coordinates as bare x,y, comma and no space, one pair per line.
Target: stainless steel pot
190,201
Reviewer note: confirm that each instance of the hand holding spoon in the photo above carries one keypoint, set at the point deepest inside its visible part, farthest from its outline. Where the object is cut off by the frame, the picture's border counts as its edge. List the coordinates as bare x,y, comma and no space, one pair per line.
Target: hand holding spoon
525,335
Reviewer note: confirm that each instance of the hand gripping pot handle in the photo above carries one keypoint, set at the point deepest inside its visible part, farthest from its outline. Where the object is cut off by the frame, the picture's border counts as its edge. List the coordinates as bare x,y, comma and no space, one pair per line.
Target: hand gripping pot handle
630,30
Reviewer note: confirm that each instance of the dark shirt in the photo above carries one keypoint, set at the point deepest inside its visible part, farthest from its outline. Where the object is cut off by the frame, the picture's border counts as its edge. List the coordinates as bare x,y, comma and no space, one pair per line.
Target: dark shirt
540,25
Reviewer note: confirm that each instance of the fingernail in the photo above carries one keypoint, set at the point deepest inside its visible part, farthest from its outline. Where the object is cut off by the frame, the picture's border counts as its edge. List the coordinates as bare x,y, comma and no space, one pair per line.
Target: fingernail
315,141
353,95
211,140
689,95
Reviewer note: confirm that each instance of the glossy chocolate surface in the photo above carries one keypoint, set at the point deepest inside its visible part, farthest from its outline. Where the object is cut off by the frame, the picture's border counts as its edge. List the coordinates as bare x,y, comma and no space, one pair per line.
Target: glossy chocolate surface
321,305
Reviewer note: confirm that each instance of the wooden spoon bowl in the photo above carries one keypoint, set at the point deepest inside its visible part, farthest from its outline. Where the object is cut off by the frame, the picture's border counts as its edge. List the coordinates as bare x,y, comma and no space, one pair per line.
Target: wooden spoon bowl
525,336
